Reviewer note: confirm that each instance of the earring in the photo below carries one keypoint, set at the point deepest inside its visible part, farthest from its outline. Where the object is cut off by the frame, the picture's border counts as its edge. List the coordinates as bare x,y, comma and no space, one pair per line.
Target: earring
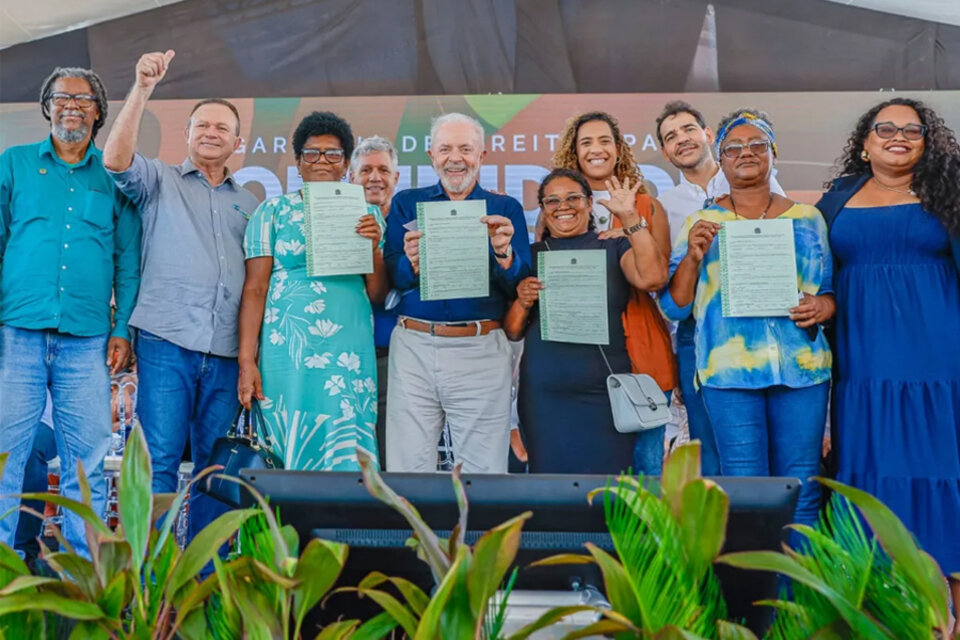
865,156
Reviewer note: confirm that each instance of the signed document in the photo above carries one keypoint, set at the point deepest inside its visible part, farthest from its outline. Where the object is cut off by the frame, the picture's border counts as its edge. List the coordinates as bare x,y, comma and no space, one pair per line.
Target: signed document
573,302
331,213
454,250
758,268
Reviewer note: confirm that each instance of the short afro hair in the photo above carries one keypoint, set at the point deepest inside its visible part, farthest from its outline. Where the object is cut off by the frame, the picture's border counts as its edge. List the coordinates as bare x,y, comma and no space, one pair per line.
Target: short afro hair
320,123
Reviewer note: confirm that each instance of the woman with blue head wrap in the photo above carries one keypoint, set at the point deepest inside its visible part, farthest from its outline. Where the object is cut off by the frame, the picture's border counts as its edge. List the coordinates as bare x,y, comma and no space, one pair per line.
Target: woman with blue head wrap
765,379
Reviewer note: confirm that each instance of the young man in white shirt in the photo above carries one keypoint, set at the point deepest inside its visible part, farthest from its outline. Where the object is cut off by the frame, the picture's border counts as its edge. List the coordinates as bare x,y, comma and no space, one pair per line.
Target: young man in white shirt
686,142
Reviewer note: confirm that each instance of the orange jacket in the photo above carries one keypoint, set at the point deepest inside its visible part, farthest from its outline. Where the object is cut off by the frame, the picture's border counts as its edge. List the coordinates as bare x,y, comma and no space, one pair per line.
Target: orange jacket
648,338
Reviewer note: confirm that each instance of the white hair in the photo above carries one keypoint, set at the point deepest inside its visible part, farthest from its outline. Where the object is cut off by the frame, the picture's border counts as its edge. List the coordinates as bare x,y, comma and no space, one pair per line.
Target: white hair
446,118
373,144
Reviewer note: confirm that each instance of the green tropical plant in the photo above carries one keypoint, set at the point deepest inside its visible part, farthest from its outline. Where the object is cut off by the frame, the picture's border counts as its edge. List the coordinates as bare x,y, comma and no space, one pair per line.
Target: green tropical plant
467,579
847,584
663,585
136,583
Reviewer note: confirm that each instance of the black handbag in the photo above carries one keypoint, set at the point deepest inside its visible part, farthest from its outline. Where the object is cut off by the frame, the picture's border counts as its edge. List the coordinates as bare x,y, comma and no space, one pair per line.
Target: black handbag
246,445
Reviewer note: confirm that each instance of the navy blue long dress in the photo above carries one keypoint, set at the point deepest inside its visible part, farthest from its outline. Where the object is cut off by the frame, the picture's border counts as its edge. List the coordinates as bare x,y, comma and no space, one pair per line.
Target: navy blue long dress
564,409
898,356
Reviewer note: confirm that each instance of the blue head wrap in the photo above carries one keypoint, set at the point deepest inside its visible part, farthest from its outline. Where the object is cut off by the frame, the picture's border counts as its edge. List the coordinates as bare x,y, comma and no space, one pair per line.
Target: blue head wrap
750,119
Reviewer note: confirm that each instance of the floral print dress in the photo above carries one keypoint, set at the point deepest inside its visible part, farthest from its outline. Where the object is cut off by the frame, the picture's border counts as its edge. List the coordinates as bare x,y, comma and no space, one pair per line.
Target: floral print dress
317,357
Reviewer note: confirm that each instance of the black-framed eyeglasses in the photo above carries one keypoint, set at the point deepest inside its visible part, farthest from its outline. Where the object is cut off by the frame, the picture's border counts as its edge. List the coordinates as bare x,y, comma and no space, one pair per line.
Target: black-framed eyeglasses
887,130
574,200
333,156
83,100
757,148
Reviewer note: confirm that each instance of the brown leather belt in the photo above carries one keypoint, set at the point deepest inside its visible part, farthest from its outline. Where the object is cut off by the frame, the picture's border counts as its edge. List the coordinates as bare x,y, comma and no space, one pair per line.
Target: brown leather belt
450,330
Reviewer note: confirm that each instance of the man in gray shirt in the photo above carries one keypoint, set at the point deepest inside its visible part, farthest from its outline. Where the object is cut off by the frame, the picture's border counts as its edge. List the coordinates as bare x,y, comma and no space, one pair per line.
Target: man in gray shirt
194,216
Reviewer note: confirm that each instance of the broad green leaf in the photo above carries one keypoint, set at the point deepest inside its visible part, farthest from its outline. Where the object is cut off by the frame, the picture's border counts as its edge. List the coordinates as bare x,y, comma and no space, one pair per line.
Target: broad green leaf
702,516
730,631
403,616
167,525
73,609
89,630
319,567
114,596
338,630
135,495
10,559
780,563
460,530
434,555
899,544
114,558
549,618
25,582
194,627
430,621
204,546
675,633
617,585
599,628
375,628
196,595
836,630
416,599
561,559
681,467
82,510
78,570
493,554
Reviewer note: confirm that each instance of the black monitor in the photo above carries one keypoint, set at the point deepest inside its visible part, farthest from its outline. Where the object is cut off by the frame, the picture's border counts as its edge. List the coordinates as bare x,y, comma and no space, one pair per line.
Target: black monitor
336,506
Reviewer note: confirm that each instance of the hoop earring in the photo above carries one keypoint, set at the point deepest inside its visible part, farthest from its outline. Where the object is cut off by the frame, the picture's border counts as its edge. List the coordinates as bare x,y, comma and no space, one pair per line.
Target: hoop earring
864,155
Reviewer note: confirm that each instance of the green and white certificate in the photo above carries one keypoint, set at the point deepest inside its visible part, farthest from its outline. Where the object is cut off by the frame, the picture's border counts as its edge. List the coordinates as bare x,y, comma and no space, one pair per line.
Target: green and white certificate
331,212
454,250
758,268
573,302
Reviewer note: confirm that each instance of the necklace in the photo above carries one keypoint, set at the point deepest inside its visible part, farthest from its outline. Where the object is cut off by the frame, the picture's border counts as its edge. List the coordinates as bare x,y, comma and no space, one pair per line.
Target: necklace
762,215
907,192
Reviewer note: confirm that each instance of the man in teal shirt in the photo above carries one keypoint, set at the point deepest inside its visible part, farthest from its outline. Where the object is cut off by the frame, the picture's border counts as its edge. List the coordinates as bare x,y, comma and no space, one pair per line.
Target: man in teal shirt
69,241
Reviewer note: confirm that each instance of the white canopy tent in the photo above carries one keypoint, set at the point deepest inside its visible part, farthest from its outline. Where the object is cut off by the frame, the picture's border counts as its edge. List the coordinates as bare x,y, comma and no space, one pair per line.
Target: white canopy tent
26,20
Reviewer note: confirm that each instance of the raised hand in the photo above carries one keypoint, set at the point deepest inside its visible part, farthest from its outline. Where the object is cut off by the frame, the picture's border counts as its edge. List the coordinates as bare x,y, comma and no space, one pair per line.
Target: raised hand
623,200
528,292
411,247
501,231
368,228
700,238
151,67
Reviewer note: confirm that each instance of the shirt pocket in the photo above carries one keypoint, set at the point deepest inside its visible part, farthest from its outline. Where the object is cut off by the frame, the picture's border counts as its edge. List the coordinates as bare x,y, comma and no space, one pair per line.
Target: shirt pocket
98,209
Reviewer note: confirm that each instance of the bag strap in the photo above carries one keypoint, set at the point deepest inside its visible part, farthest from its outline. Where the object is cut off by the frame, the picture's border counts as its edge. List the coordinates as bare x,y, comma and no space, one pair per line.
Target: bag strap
252,425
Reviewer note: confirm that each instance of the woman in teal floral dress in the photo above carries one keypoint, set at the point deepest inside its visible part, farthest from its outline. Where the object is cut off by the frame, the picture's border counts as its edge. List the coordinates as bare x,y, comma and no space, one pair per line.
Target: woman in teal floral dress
317,375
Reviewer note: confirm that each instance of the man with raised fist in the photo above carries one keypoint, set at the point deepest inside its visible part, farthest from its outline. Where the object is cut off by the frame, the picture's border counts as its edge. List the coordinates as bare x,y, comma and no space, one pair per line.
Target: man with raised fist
194,215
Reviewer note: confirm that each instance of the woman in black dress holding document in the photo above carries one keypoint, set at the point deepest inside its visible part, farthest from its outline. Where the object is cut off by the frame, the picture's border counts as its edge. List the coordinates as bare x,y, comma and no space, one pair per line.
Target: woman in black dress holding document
564,409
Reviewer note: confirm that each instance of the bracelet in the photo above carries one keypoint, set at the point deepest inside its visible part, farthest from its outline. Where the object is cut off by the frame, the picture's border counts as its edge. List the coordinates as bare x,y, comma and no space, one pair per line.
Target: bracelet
634,228
506,254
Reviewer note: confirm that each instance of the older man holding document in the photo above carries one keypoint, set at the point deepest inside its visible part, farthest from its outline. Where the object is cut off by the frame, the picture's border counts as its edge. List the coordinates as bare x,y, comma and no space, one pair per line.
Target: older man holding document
456,253
755,270
313,266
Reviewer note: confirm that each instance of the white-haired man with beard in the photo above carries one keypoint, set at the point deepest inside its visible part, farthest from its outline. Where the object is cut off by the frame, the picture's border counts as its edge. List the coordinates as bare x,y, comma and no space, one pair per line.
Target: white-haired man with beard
69,242
450,360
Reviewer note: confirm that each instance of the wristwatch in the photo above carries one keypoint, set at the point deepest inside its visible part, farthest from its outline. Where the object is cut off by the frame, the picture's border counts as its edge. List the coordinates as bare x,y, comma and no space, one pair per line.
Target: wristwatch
506,254
633,229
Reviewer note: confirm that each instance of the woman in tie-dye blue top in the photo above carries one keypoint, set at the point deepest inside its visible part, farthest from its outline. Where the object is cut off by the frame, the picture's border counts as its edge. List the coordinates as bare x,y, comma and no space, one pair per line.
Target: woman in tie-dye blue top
764,380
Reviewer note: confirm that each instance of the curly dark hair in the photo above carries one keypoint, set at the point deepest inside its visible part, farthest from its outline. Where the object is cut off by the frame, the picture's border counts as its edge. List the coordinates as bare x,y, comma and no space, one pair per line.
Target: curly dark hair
320,123
96,85
936,175
565,156
577,177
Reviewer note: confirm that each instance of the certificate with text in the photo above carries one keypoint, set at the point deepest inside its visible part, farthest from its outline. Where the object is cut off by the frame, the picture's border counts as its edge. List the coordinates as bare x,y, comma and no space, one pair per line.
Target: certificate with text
758,268
573,302
331,213
454,250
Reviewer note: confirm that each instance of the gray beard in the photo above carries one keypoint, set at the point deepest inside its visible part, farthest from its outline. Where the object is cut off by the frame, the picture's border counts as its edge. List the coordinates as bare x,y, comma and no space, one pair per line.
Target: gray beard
70,135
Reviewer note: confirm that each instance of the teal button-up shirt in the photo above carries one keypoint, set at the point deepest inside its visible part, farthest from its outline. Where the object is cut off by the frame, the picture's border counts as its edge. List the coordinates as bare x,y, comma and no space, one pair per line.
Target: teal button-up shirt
68,240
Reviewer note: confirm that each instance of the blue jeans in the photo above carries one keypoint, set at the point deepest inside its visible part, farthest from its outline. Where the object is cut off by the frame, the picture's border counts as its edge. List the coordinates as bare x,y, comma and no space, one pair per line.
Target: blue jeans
697,419
776,431
75,370
183,394
648,451
35,481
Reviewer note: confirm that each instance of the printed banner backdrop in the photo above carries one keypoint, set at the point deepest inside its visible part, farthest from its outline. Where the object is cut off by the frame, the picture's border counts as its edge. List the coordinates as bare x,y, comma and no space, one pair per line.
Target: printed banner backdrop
522,132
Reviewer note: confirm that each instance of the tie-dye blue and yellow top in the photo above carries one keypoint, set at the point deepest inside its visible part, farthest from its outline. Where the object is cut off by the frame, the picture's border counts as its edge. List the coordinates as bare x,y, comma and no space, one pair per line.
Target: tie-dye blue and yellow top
754,353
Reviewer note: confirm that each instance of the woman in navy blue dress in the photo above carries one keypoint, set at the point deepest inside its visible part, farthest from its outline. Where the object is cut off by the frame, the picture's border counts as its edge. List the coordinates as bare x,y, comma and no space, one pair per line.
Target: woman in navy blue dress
894,217
564,409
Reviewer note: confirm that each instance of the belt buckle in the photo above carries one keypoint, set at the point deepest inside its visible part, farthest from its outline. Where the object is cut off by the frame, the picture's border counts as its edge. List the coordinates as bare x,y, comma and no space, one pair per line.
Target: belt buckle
433,329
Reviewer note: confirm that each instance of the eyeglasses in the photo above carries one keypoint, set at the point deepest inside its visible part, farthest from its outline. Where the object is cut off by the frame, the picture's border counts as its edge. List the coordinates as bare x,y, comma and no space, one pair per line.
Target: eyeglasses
573,201
333,156
83,100
757,148
887,130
